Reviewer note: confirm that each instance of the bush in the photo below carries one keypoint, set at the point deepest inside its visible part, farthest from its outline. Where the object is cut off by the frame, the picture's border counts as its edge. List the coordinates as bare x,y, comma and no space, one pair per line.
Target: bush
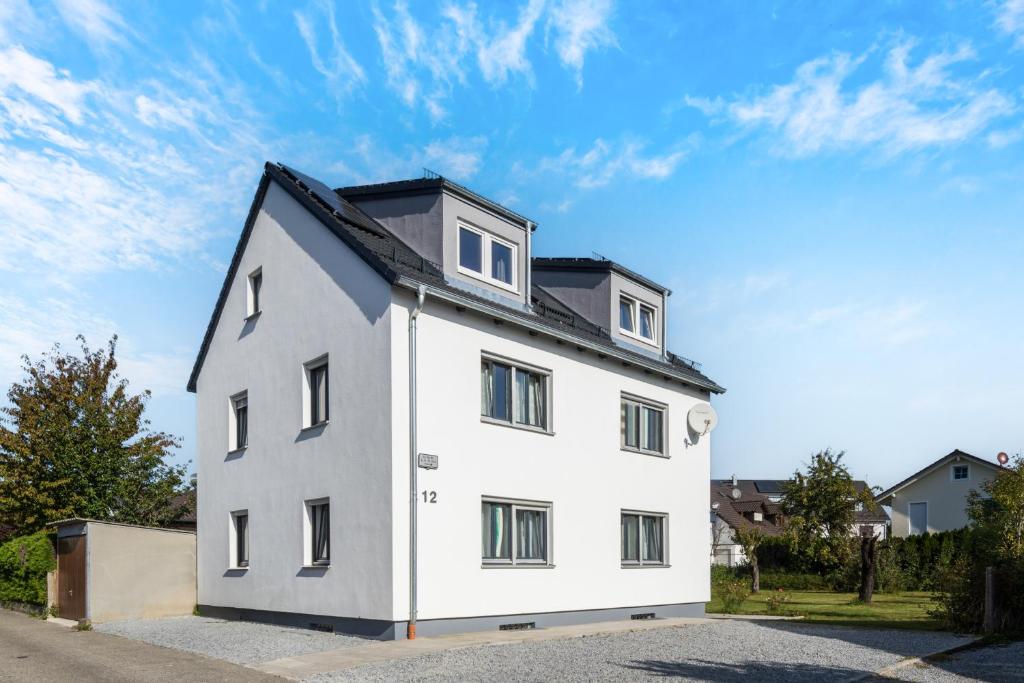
733,593
777,601
792,581
24,562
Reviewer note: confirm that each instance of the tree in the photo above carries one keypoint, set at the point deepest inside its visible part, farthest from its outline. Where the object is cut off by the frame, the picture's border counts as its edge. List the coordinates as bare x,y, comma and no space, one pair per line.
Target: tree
998,511
74,443
868,562
820,506
750,540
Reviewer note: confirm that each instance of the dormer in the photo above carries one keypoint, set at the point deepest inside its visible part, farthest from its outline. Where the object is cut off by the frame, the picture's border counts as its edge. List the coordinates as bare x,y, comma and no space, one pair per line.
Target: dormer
480,246
629,306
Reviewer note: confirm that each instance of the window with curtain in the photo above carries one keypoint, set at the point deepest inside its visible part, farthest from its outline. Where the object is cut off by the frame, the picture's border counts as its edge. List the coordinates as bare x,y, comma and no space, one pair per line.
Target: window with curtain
255,287
514,394
643,426
241,421
241,539
320,527
647,322
319,394
515,533
487,257
643,538
626,322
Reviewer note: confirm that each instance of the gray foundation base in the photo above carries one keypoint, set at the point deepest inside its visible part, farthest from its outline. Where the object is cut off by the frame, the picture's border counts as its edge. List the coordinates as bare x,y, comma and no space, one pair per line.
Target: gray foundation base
395,630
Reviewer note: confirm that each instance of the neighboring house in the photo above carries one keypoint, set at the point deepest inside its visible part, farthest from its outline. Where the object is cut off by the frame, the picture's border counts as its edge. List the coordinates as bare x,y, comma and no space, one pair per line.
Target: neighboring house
744,510
745,503
935,498
558,479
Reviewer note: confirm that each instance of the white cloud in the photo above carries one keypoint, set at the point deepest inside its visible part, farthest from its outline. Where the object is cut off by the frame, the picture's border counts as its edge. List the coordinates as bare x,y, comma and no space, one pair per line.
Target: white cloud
998,139
337,66
455,157
604,162
580,26
830,105
38,79
97,22
1011,20
504,51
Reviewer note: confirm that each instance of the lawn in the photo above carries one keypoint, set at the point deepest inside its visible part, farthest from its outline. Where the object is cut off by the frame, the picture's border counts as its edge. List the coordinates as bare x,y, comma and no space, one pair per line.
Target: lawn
889,610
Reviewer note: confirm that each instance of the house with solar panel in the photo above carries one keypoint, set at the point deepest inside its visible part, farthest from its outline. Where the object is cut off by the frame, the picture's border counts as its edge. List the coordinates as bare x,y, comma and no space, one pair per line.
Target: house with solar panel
407,420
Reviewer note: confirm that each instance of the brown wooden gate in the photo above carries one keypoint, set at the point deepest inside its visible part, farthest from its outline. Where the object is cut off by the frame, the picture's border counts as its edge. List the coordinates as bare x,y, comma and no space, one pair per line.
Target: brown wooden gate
71,577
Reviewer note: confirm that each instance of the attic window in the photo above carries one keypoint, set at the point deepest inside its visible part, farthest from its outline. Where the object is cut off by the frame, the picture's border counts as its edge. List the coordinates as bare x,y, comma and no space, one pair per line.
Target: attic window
637,319
487,257
253,307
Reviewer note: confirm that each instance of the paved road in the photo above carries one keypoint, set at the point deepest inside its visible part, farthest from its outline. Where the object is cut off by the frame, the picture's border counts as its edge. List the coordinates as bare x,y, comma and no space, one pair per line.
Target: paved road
33,650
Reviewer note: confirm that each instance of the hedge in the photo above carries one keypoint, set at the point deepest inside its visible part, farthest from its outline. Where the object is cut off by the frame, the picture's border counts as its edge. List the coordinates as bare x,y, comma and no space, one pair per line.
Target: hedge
24,562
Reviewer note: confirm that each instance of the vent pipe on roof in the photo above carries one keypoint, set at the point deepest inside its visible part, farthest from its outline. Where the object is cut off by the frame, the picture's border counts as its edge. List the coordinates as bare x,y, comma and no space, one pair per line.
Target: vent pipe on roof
734,482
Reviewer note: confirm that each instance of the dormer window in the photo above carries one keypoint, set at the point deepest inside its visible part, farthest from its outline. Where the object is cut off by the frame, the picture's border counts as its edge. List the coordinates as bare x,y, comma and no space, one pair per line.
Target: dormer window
636,319
487,257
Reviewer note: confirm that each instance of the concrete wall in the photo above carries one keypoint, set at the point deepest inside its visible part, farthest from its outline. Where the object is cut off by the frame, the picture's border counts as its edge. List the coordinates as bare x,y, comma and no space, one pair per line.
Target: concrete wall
580,469
946,498
318,298
139,573
416,219
455,209
585,291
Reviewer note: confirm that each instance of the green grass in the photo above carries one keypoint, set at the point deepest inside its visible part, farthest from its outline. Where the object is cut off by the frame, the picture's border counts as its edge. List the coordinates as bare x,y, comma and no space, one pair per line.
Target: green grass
888,610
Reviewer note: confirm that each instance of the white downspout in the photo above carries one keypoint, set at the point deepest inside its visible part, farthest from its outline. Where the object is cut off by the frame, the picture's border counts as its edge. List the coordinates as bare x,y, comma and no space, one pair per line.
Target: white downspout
421,296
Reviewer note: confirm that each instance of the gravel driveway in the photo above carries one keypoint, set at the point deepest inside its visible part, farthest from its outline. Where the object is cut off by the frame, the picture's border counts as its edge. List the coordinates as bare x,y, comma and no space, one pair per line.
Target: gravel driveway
727,650
993,664
241,642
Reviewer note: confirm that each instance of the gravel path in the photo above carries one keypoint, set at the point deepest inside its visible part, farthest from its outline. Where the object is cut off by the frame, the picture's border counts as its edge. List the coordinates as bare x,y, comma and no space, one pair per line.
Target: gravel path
728,650
240,642
993,664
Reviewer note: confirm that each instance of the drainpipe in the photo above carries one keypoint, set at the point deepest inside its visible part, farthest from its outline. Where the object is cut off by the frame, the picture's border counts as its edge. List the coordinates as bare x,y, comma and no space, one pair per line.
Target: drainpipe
421,295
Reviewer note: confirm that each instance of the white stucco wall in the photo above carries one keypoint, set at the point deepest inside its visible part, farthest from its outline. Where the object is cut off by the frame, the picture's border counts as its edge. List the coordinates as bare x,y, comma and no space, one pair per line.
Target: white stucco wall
318,297
946,498
580,470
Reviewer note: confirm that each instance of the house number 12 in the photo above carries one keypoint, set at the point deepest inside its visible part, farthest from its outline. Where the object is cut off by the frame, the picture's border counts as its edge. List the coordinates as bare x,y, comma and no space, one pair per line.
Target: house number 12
430,496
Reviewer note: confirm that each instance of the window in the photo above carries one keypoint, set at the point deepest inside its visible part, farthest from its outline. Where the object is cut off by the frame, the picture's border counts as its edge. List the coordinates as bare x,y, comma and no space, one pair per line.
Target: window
917,514
238,421
317,396
637,319
643,426
514,394
961,472
487,257
253,299
240,539
318,533
515,533
643,538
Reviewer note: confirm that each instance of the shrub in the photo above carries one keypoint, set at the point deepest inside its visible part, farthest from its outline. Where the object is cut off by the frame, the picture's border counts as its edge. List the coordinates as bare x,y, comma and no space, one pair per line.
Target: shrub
777,601
793,581
733,593
24,562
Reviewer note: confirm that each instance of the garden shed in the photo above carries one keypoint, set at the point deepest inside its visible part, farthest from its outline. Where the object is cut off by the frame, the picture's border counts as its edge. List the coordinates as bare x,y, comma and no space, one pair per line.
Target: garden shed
108,571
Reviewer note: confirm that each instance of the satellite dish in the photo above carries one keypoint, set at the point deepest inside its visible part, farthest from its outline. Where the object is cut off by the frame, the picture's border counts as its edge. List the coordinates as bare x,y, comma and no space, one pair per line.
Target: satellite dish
737,494
702,418
1003,458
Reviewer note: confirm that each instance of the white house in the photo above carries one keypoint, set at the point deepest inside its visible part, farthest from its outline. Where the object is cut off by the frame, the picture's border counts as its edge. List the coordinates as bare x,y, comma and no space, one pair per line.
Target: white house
405,419
935,498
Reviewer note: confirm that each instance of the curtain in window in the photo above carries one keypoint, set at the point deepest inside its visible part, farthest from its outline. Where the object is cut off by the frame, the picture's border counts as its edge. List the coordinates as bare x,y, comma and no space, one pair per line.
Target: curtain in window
651,430
501,262
242,540
501,392
496,541
652,539
257,284
630,538
486,389
646,322
318,395
321,533
630,424
626,315
241,424
531,528
530,408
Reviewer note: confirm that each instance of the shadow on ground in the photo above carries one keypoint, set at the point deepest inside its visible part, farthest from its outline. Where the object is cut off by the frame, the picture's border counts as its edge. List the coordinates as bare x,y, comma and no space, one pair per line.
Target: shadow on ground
702,669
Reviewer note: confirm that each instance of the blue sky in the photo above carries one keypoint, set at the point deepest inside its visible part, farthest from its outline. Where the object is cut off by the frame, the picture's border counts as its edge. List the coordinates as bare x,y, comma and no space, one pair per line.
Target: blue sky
833,191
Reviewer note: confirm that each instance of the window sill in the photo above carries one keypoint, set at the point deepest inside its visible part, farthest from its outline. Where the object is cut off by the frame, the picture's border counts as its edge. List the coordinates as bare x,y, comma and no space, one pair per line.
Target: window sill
318,425
251,316
316,566
240,570
476,275
640,338
523,565
640,451
514,425
238,451
646,566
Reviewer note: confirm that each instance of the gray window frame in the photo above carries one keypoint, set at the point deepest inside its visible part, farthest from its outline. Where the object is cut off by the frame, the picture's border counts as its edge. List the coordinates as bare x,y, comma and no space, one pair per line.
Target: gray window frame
640,562
649,404
516,505
516,367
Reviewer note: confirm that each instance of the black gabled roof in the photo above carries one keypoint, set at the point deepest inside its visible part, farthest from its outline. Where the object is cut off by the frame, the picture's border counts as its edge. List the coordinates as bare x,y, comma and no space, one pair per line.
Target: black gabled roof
594,264
955,453
394,260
